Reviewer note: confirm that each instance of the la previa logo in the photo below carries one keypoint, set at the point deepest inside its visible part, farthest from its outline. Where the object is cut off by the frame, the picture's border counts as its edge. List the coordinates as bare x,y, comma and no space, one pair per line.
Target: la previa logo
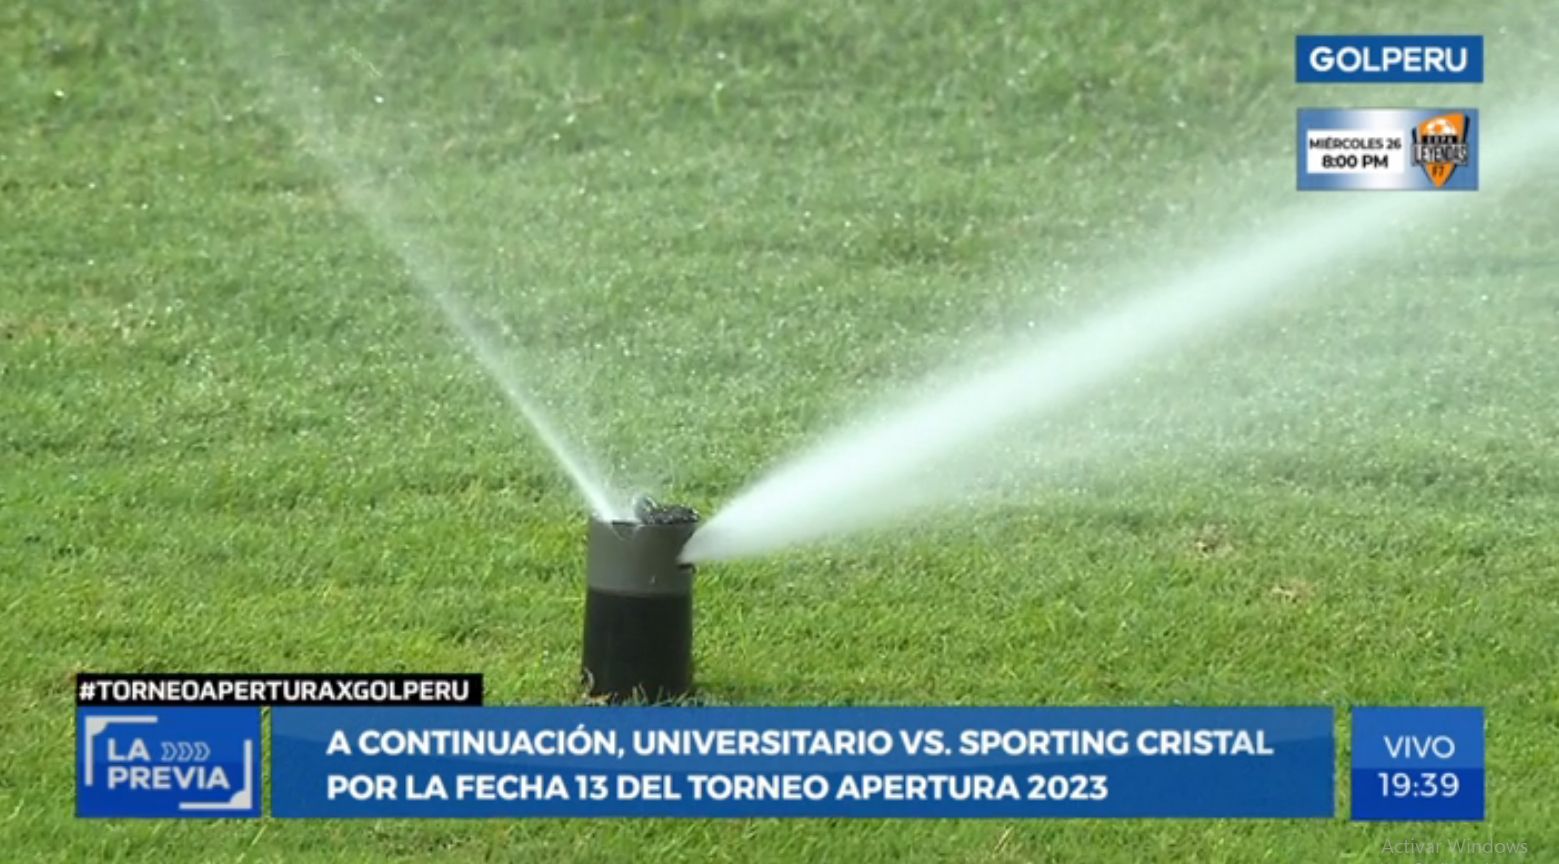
159,762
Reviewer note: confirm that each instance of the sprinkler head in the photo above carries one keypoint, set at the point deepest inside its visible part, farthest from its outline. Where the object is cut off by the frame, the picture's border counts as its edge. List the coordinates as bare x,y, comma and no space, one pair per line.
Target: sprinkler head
639,606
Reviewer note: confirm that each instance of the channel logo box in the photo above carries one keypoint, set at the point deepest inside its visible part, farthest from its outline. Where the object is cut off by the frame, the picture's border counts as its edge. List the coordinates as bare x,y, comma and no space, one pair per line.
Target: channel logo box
162,762
1388,149
1388,59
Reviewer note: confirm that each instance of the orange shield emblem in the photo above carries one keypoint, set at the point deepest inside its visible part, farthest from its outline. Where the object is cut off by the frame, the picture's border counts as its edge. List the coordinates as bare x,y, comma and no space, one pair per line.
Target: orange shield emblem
1440,146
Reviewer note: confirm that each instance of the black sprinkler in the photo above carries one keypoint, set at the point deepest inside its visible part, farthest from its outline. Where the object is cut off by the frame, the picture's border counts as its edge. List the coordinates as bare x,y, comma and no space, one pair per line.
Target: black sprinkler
639,606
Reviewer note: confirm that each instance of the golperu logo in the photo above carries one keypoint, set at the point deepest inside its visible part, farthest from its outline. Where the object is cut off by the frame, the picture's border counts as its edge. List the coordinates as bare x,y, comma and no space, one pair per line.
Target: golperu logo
1389,59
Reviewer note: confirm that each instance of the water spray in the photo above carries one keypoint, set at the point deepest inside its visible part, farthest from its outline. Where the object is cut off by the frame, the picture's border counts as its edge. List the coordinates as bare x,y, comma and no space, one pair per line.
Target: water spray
431,270
639,605
875,472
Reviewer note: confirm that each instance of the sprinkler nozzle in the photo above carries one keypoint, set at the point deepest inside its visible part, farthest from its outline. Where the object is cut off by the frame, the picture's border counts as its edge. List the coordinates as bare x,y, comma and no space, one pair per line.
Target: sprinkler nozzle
639,606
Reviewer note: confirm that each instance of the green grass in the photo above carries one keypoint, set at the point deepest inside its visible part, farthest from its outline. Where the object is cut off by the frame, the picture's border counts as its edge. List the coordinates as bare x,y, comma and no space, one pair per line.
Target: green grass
235,436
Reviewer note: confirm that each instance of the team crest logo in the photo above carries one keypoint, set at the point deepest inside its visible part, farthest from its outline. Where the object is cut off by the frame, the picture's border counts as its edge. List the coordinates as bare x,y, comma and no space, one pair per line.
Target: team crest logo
1440,146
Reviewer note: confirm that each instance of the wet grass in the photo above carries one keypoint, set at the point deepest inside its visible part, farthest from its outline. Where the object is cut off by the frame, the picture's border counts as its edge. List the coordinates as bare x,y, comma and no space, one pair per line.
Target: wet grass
233,435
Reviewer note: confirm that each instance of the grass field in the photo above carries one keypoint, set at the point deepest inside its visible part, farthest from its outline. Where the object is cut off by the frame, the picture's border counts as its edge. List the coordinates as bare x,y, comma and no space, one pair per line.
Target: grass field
234,435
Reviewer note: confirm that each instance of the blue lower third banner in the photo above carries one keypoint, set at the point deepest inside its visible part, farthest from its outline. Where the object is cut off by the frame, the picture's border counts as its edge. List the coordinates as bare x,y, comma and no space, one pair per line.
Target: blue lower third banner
159,762
833,762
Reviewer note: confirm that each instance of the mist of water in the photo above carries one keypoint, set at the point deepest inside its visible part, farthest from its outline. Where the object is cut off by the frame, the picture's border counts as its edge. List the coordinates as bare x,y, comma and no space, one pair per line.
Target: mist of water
375,207
372,202
874,472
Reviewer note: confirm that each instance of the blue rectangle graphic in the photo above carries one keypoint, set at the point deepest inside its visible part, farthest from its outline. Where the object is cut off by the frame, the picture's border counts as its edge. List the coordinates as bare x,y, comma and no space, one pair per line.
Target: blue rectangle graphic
1418,764
1388,149
158,762
1383,59
828,762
